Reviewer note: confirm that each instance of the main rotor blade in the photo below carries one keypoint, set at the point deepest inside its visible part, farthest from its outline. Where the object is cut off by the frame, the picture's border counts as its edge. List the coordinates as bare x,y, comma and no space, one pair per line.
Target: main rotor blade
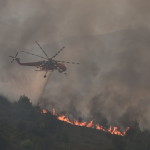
69,62
58,52
16,55
42,49
34,54
12,60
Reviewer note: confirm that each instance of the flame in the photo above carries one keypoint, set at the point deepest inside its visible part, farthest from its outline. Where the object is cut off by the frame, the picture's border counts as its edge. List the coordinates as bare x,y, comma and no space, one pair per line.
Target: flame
44,111
111,129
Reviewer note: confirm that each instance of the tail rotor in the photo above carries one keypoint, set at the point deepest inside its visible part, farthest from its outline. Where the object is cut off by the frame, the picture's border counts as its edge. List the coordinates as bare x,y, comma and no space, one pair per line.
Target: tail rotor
14,57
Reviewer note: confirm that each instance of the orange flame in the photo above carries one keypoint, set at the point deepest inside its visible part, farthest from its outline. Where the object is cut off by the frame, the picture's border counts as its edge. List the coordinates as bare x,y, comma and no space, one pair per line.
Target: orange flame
111,130
44,111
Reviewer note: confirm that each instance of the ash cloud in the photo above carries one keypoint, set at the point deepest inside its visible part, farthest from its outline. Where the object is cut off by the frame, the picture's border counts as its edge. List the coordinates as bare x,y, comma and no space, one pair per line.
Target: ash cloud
109,38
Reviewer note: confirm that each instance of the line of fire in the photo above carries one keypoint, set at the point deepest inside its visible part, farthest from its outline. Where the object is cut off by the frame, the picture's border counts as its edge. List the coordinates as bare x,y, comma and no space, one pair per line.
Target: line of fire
112,129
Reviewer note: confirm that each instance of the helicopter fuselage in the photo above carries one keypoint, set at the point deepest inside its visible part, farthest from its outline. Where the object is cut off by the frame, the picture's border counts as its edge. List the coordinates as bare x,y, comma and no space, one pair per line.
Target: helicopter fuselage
52,65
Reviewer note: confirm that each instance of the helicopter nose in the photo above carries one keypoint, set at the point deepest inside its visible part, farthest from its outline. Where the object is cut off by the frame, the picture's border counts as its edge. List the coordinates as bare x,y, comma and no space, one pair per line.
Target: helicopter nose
62,68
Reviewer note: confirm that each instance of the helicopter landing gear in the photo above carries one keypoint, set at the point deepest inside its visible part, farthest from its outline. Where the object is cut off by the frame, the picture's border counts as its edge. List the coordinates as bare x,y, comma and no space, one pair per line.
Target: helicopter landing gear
45,75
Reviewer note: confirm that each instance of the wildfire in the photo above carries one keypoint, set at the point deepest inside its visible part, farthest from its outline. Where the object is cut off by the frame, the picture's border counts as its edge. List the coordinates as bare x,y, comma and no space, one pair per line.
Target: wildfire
111,130
44,111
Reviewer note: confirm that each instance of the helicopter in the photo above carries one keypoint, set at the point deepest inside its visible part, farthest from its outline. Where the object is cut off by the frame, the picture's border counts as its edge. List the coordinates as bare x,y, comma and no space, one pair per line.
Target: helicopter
48,64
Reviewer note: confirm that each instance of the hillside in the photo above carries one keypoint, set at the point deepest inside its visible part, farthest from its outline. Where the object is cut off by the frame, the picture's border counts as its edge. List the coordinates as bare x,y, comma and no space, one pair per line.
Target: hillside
24,127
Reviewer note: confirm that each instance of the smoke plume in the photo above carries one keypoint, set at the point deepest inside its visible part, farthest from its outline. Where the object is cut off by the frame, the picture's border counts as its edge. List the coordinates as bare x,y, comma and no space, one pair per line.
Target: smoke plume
110,39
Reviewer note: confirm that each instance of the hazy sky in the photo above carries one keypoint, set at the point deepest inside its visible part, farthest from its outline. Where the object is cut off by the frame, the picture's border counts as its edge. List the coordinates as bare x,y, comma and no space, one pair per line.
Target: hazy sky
109,38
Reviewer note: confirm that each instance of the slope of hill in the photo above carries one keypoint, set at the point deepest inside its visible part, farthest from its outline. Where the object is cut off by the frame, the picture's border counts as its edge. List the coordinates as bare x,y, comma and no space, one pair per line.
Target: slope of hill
24,127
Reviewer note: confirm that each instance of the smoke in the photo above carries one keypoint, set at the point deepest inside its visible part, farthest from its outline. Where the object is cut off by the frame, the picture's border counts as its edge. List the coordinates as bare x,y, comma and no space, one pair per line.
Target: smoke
109,38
